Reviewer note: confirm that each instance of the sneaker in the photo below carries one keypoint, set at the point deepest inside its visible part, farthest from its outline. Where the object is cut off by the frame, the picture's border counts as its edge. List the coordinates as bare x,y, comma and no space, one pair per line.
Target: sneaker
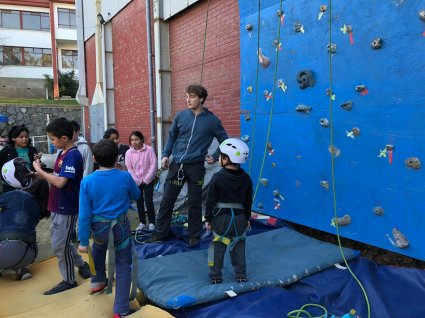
151,227
141,227
23,274
130,312
98,288
215,281
61,287
84,271
241,280
193,241
154,238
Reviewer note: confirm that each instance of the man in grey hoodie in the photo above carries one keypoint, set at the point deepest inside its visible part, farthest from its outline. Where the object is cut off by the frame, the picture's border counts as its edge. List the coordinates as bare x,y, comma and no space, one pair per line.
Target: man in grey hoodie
83,148
190,136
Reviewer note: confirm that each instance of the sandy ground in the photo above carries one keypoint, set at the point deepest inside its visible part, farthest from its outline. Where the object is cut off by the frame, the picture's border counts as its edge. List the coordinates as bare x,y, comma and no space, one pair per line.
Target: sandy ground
43,236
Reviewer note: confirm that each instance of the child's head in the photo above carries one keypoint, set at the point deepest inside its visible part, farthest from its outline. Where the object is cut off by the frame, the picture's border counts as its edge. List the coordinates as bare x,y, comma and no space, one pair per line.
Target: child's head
112,134
105,153
136,139
233,151
76,128
197,90
60,132
19,136
40,188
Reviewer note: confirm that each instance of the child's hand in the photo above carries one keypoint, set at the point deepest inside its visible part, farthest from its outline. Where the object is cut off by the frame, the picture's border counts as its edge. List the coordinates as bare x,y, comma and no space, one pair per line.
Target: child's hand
83,249
37,165
37,156
208,226
209,159
248,225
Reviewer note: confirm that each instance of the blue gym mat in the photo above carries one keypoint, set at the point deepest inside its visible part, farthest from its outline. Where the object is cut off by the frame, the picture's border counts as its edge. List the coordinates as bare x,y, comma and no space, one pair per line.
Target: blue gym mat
274,258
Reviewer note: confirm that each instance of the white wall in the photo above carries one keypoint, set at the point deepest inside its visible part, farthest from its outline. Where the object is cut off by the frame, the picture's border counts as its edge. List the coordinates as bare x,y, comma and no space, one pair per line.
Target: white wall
64,33
13,71
172,7
25,38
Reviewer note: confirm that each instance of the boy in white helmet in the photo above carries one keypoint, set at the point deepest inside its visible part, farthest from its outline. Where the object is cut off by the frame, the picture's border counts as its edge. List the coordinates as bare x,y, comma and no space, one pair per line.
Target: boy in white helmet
228,210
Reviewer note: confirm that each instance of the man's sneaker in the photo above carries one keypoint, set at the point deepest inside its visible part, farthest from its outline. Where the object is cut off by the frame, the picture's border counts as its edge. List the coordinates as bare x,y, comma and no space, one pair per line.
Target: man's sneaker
151,227
61,287
84,271
141,227
241,280
23,274
154,238
98,288
130,312
193,241
215,281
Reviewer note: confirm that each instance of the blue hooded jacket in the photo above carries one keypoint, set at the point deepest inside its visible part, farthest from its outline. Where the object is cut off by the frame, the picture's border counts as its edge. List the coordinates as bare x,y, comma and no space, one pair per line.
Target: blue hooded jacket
190,136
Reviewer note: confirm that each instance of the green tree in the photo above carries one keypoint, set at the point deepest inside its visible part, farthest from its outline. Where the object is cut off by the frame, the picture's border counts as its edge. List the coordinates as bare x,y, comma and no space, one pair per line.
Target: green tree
68,84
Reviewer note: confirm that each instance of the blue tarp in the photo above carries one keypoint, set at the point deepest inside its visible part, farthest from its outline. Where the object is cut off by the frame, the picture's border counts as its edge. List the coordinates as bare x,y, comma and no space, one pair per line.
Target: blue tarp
274,258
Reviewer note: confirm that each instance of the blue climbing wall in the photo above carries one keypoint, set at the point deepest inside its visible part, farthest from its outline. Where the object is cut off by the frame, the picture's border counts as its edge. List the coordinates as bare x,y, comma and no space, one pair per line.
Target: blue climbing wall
374,150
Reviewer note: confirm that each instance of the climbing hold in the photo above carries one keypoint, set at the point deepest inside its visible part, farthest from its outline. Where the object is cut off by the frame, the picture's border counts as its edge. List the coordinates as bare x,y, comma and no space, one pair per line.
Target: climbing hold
247,117
389,147
324,122
422,15
279,13
305,79
269,148
360,88
400,240
275,43
264,61
347,105
324,184
245,138
249,89
267,94
345,220
273,164
264,182
281,84
379,211
330,93
298,27
323,8
377,43
331,47
355,131
303,108
260,205
413,163
249,27
334,151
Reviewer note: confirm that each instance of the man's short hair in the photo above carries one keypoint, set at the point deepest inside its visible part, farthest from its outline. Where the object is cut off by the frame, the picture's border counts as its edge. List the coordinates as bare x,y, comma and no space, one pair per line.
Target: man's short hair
75,125
105,153
198,90
60,127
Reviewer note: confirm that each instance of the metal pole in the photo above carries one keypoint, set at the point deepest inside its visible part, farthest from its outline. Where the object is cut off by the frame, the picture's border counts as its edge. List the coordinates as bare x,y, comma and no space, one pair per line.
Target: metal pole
150,74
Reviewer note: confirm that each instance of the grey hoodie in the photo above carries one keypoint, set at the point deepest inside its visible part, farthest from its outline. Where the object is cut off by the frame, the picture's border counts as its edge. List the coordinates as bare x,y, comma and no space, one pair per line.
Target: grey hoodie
86,153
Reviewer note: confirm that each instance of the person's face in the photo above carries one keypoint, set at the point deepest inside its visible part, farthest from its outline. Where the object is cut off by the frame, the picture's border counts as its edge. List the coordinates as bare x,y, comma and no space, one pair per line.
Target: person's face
114,138
193,101
59,143
22,140
136,142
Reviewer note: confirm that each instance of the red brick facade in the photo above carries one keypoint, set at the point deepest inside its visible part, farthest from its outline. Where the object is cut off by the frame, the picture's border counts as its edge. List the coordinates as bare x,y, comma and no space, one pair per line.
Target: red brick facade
221,68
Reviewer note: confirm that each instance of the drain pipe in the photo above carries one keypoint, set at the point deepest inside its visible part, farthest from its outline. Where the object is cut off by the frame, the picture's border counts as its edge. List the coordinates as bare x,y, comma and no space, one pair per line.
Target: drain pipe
150,75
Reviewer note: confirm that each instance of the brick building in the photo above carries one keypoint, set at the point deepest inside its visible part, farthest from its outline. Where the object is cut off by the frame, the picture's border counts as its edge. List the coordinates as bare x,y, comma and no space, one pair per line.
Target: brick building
118,90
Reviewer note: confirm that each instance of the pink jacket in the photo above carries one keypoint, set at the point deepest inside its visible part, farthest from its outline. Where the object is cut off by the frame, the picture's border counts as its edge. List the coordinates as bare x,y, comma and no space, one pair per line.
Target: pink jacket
142,164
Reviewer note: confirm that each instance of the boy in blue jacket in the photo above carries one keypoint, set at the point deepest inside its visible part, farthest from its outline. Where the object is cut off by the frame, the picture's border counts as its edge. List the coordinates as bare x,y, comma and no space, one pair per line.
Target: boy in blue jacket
104,201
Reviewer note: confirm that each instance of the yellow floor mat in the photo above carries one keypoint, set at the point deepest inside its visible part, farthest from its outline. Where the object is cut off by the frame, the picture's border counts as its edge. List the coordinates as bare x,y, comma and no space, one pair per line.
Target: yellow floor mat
25,298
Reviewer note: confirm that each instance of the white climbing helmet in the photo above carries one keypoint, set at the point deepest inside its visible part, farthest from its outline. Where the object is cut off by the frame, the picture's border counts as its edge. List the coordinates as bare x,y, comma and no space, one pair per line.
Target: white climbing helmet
236,149
16,173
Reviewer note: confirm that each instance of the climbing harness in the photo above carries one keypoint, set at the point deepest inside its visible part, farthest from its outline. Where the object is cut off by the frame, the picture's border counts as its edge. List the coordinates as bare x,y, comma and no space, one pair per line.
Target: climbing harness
180,175
230,241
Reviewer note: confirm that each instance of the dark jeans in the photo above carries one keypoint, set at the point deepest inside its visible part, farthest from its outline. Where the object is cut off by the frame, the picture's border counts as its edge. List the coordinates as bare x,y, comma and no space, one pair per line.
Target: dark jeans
146,196
123,260
194,176
237,255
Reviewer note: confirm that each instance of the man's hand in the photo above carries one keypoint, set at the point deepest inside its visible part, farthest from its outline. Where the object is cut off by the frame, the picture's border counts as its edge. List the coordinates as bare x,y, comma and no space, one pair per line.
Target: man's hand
210,160
164,163
83,249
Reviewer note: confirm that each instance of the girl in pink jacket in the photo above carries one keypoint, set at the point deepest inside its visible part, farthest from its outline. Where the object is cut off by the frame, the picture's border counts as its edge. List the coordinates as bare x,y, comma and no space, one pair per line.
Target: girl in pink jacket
141,162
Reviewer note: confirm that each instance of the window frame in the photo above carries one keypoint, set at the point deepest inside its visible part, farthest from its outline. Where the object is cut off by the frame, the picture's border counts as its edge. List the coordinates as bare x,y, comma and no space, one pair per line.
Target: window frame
43,56
71,23
21,14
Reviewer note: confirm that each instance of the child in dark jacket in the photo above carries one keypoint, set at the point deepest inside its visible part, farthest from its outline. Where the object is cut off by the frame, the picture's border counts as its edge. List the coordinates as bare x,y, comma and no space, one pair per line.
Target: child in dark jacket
228,210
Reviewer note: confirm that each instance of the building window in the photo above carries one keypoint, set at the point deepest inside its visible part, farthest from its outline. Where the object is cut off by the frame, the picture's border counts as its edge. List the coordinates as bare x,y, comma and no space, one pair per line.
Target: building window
69,59
66,18
29,56
38,21
10,19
